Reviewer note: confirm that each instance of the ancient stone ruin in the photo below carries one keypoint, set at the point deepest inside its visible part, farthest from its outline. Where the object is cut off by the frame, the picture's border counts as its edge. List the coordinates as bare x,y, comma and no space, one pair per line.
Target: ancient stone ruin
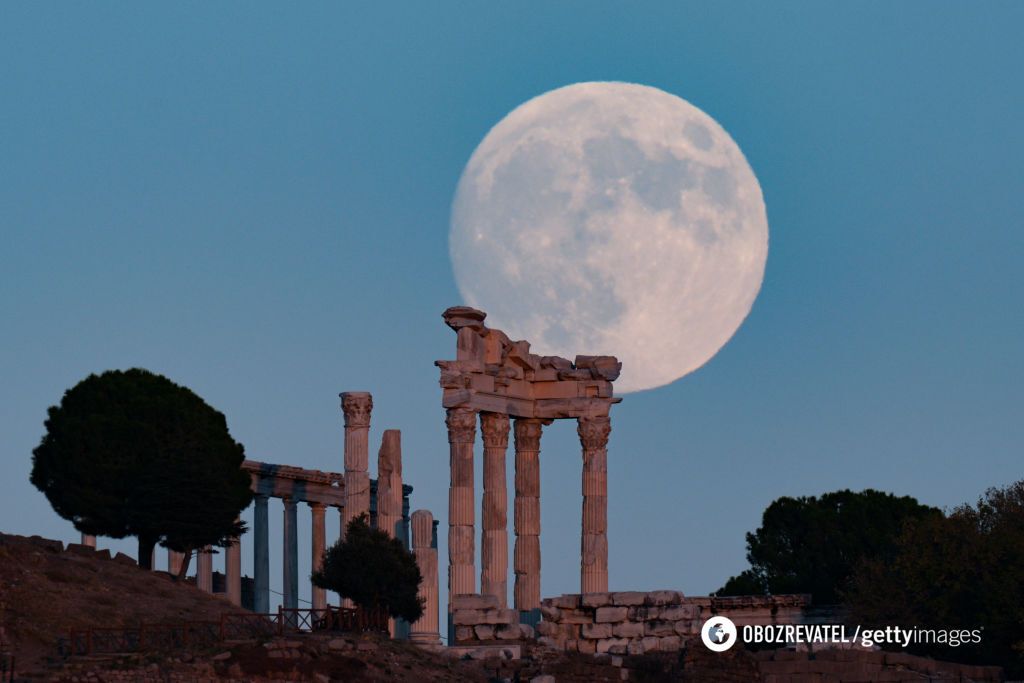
385,501
501,384
497,379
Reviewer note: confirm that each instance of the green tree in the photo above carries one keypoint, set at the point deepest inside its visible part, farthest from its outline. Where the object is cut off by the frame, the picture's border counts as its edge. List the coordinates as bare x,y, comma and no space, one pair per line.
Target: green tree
964,571
813,544
373,570
131,453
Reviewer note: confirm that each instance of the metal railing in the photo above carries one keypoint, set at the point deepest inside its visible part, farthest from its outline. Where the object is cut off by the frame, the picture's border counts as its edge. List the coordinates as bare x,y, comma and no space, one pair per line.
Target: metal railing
348,620
236,626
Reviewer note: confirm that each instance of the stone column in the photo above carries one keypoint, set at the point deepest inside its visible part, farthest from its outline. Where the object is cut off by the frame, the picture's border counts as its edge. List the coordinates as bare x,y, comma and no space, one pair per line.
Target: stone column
389,482
89,540
356,405
174,560
461,548
494,509
233,572
290,569
341,520
594,433
319,547
261,555
204,569
425,630
527,514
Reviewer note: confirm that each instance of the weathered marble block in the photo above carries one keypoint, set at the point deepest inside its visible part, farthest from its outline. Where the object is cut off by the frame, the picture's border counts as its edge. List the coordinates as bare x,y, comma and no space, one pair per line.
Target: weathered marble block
595,631
629,598
610,614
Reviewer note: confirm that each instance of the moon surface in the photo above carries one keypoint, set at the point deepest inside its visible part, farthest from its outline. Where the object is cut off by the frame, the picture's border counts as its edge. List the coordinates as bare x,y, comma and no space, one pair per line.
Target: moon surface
611,219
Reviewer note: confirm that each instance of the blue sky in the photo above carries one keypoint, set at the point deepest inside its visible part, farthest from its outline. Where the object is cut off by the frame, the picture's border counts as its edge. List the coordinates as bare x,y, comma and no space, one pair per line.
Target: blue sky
254,200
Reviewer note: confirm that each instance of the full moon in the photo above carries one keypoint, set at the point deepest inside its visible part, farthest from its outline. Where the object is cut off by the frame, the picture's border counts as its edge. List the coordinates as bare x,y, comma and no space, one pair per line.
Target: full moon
611,219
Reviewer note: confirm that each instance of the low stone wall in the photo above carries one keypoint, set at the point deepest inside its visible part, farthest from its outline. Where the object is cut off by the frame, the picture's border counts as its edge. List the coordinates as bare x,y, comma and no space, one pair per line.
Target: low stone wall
480,620
658,621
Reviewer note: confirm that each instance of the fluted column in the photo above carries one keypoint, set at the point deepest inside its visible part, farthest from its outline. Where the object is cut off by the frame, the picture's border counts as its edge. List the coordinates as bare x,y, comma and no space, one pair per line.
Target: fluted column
425,630
356,405
494,508
594,433
389,482
204,569
527,514
174,560
233,571
461,548
319,547
261,555
290,559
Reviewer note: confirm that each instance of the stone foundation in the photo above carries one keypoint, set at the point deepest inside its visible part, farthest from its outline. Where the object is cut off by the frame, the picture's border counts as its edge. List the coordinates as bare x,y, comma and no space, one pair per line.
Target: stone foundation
481,620
658,621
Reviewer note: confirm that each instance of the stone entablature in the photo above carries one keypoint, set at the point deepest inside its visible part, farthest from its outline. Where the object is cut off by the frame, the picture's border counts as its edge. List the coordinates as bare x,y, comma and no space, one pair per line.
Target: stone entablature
657,621
492,373
296,483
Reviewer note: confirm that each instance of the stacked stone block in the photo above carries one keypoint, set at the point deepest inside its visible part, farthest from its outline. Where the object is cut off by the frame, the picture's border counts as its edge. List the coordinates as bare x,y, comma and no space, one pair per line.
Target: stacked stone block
657,621
618,623
481,620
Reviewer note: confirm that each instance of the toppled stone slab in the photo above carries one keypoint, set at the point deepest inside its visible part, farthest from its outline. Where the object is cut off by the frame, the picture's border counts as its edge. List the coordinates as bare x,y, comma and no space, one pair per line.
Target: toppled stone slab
479,619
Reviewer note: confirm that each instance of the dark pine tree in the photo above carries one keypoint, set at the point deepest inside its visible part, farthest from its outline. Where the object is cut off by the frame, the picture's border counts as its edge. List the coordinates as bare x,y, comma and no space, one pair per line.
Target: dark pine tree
813,544
373,570
131,453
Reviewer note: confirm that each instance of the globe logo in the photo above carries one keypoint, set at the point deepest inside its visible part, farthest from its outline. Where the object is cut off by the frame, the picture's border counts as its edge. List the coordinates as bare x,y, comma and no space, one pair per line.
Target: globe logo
718,633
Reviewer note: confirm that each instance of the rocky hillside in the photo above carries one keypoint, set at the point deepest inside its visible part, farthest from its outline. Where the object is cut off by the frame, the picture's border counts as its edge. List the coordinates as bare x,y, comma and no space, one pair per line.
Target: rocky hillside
46,590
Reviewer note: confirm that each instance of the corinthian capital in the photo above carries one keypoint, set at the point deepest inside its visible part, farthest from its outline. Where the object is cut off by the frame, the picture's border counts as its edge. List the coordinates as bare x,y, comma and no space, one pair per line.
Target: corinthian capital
528,432
494,427
461,425
357,406
594,432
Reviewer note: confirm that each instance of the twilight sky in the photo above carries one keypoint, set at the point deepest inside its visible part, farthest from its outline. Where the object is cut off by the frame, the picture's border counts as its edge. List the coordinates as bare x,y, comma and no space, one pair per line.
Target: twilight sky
255,201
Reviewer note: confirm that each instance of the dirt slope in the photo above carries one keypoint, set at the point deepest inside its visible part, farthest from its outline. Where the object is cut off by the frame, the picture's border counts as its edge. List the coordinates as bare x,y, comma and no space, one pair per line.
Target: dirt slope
46,591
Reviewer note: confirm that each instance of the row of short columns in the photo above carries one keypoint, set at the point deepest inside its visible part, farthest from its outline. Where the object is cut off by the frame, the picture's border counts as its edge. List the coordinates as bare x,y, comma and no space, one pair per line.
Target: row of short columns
461,422
290,555
356,407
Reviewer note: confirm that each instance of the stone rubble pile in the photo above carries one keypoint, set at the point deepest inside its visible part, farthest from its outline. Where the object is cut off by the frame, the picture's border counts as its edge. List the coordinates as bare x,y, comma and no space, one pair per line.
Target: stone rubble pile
480,619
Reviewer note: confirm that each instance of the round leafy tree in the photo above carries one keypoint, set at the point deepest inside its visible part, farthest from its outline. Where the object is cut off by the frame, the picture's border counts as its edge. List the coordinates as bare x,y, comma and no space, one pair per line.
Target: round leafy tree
963,572
372,570
131,453
813,544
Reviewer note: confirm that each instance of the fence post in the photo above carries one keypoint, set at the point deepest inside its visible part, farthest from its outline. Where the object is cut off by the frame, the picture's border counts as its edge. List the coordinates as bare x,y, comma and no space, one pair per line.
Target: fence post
280,620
